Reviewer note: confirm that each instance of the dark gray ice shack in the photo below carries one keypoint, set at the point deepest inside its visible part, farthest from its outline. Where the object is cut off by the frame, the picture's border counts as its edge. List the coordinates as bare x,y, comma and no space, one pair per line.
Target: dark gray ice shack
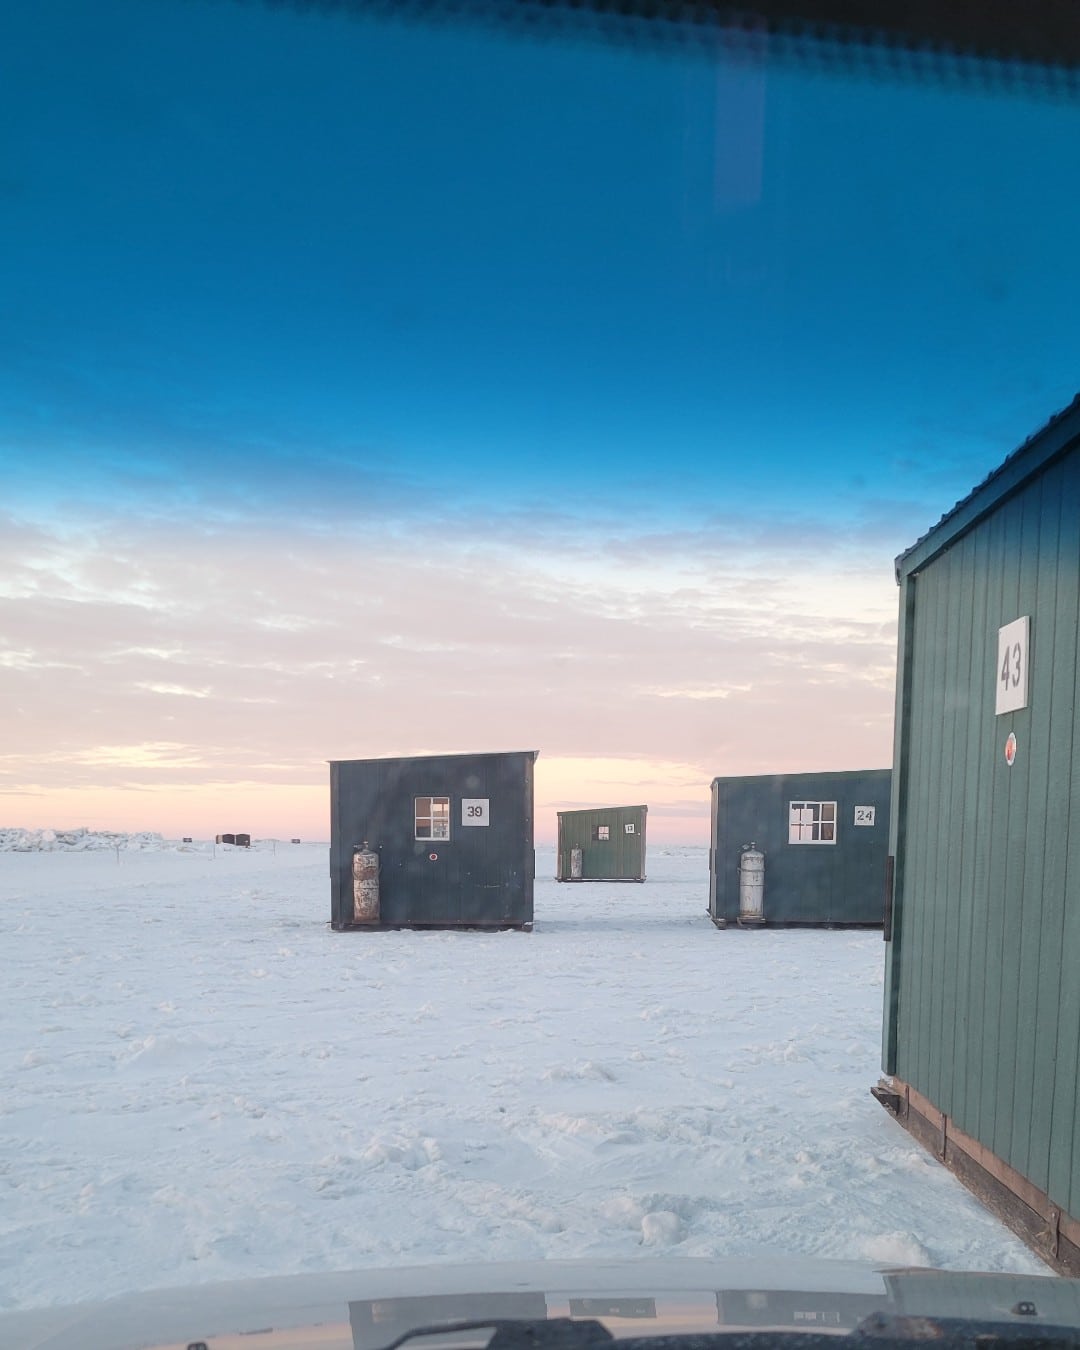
453,835
824,837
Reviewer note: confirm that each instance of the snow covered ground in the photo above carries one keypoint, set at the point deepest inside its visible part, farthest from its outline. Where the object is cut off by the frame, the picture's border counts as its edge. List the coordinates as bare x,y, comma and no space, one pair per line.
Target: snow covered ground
201,1082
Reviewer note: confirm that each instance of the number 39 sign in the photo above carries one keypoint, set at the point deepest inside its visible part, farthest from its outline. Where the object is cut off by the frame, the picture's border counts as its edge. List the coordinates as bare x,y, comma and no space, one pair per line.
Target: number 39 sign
1012,666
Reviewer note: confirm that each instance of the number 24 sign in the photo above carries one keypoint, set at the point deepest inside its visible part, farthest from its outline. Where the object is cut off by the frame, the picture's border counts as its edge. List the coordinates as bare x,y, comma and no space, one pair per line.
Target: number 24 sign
1012,666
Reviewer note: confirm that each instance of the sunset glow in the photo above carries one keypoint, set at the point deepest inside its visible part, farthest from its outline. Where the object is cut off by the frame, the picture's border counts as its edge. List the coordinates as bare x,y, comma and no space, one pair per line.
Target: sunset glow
360,398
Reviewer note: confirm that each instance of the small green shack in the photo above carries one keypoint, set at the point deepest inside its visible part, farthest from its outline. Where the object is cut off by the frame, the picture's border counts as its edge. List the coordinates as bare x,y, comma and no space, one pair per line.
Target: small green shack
605,843
982,999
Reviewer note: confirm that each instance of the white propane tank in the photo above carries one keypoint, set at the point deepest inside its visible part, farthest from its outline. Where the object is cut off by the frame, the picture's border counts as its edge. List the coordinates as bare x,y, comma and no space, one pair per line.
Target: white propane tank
751,885
365,872
575,864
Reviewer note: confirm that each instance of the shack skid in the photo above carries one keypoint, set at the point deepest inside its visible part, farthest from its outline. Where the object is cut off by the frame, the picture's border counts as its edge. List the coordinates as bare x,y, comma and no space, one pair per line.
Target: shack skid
578,881
432,927
749,924
1051,1233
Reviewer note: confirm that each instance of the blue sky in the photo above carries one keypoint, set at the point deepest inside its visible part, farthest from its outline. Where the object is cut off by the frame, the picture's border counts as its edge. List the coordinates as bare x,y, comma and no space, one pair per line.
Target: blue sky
504,340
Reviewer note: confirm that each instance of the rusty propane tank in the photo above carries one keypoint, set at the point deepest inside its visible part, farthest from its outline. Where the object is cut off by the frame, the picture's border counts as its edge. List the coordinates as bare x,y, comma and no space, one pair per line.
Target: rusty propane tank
365,871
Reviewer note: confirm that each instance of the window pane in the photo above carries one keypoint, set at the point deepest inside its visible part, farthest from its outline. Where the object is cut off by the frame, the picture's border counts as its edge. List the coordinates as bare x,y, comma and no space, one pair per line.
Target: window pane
811,822
432,817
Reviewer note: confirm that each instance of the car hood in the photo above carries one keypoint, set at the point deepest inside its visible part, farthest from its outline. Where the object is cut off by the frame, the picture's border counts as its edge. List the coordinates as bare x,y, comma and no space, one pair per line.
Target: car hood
366,1309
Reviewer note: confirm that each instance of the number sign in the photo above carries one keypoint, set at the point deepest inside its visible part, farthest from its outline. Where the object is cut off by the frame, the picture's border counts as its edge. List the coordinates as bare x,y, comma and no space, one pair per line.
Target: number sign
474,811
1011,670
864,815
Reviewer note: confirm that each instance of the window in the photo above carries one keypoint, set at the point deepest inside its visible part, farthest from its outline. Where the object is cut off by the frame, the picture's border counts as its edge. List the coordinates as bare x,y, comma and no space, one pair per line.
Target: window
601,832
812,823
432,817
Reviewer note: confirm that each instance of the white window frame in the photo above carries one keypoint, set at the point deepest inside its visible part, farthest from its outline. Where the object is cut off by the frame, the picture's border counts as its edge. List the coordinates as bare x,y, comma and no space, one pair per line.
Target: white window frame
430,817
811,822
603,834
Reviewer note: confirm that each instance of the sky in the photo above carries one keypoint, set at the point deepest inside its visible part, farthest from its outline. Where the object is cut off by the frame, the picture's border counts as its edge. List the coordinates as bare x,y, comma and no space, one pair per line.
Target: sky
371,388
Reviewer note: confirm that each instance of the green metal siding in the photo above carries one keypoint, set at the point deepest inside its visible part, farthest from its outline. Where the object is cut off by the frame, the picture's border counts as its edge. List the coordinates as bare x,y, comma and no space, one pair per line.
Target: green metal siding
1058,1057
618,858
982,1001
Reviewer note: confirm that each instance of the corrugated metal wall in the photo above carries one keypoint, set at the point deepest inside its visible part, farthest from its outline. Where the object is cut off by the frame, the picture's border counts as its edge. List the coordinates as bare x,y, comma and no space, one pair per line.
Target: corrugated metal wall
983,992
620,857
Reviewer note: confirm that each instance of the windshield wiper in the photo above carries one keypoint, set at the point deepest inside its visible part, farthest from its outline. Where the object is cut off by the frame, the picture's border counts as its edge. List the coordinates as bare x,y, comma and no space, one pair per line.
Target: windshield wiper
564,1333
533,1333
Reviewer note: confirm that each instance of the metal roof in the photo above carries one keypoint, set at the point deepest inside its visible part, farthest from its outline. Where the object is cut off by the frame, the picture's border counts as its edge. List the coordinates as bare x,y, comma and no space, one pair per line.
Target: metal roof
798,773
1051,440
456,754
595,810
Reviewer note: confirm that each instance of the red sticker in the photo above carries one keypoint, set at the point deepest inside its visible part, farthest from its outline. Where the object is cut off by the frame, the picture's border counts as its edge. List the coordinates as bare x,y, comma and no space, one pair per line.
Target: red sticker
1010,749
433,857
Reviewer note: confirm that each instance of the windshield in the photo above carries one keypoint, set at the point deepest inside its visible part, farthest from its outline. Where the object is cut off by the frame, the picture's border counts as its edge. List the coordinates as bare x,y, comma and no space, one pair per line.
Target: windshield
380,389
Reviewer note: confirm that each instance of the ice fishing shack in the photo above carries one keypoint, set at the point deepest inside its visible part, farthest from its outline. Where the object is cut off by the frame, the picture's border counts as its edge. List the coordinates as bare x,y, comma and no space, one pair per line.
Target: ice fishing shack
605,843
982,1001
800,849
432,841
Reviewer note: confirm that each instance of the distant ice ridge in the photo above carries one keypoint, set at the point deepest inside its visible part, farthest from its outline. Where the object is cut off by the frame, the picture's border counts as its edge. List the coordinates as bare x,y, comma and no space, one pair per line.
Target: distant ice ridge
52,841
80,840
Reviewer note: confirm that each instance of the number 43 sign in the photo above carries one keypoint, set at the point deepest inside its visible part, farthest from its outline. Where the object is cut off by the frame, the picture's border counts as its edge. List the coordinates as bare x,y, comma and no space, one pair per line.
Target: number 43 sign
1012,666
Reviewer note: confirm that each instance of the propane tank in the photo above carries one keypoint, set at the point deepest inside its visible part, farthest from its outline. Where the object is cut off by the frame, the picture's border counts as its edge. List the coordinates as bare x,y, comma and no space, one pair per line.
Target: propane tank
365,873
751,885
575,864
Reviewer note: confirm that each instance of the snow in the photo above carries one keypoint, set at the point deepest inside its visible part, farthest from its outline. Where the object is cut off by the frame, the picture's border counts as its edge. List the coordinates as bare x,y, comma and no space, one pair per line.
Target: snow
203,1082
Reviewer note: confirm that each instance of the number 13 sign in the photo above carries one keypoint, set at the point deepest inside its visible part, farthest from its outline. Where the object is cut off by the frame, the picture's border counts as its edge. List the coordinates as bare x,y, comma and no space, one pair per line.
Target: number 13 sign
1012,666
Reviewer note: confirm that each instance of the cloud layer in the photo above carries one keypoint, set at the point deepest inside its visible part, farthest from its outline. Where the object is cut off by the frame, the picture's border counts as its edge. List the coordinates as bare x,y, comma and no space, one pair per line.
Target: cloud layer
157,656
